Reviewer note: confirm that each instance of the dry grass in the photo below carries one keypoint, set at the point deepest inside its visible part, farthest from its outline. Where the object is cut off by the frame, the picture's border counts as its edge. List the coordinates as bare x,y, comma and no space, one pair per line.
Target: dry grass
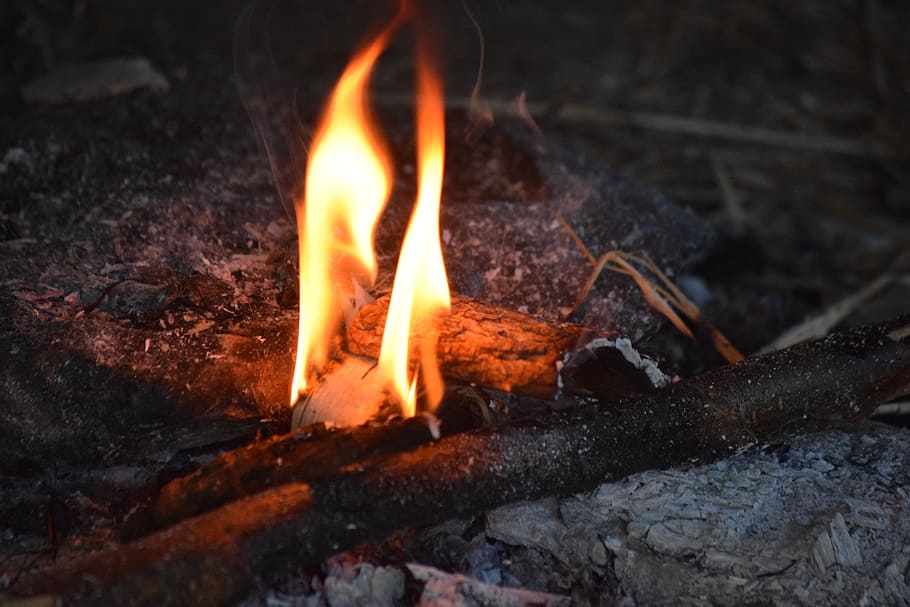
658,290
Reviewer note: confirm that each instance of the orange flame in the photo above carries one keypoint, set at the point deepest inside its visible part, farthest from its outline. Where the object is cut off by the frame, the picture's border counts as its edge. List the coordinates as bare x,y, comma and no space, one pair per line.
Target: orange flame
348,181
347,185
421,290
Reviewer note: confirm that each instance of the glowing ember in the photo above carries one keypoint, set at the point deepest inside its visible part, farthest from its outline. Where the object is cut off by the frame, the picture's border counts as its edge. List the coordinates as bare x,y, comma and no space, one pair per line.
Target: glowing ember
347,185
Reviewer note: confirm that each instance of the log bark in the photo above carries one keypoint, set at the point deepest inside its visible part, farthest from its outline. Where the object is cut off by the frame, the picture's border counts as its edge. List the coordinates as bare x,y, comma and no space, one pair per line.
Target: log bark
316,453
307,455
808,387
484,344
310,454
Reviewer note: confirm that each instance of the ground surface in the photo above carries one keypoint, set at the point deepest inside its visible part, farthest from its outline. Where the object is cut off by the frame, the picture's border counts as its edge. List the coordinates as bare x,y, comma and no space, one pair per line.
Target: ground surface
821,520
147,227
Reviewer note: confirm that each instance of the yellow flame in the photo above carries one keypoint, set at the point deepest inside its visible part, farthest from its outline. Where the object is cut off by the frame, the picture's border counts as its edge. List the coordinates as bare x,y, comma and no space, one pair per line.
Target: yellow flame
348,180
420,292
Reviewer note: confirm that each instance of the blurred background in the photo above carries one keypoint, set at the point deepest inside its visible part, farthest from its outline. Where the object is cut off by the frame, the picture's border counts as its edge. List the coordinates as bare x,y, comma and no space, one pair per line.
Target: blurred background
783,124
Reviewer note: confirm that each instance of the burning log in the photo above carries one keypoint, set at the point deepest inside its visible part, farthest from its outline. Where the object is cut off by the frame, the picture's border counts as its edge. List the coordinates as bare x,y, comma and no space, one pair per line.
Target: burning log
484,344
308,455
804,388
315,453
311,454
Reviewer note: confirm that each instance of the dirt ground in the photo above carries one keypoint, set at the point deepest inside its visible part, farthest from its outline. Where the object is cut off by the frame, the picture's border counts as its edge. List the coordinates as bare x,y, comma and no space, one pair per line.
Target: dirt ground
803,220
149,223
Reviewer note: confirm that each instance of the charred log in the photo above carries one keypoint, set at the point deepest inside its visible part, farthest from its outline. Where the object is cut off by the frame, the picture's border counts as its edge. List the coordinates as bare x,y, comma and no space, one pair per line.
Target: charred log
306,455
317,453
484,344
311,454
808,387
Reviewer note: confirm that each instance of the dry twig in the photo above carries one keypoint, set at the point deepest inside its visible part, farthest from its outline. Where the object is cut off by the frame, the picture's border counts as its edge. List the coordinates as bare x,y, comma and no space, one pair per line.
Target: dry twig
819,325
662,295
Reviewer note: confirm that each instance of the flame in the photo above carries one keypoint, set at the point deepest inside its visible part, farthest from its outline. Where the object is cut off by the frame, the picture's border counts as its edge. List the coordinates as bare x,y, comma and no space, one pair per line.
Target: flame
348,181
421,290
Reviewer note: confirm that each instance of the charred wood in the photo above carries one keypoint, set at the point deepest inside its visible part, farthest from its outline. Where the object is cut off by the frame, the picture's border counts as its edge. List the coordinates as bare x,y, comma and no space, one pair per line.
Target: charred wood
317,453
306,455
834,381
314,453
484,344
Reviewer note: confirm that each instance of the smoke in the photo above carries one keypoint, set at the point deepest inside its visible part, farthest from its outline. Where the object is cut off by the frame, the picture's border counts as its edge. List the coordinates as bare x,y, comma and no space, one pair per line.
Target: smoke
270,98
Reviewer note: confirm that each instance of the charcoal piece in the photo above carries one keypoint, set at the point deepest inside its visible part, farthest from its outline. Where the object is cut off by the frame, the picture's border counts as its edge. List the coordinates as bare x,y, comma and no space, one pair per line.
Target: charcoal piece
608,369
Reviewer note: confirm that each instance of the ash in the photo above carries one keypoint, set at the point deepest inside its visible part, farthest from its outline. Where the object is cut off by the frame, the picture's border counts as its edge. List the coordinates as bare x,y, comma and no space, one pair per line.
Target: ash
822,520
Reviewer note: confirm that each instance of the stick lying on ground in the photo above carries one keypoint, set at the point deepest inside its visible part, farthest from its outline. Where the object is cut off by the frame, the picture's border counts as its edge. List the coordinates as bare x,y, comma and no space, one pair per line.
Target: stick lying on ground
300,456
483,344
317,453
807,387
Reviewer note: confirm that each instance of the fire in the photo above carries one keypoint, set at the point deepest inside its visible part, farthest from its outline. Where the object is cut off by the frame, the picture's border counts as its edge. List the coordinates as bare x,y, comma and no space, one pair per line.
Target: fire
348,182
421,289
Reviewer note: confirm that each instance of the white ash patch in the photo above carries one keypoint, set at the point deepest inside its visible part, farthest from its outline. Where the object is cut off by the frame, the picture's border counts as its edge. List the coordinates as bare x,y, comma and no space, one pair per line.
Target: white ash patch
824,522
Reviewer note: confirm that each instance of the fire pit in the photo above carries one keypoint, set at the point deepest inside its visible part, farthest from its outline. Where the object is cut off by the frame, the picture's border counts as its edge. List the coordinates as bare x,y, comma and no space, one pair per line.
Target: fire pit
519,373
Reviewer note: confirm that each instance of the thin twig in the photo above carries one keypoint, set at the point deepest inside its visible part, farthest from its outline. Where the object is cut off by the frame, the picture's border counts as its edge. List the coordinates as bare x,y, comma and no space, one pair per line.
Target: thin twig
867,221
819,325
576,239
662,295
899,407
732,199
